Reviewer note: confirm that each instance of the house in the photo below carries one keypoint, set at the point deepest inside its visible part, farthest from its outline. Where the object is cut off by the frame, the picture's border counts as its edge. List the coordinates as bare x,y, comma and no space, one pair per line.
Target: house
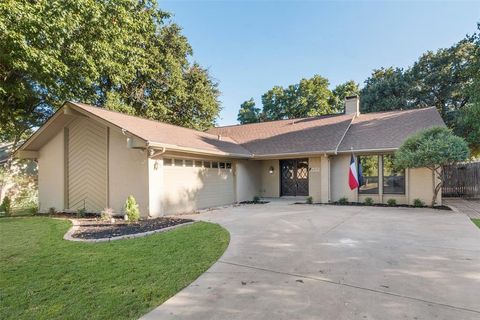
94,158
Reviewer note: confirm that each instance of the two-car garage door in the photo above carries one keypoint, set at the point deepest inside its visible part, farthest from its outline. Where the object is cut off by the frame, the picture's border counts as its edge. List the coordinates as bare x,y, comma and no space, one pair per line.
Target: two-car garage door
195,184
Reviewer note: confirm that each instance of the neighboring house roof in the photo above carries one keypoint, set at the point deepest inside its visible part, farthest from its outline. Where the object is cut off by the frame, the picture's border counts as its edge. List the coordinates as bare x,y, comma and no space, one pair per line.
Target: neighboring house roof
5,152
315,135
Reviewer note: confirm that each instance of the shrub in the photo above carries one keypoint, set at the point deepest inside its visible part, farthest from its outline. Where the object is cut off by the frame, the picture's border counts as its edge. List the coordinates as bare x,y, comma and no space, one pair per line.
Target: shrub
131,209
418,203
392,202
309,200
343,200
368,201
81,213
106,214
33,208
256,199
6,206
52,210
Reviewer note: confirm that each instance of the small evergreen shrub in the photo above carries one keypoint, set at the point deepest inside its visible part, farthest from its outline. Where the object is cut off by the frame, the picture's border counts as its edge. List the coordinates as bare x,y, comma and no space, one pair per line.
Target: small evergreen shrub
131,209
256,199
309,200
418,203
343,200
392,202
6,206
368,201
81,213
106,214
52,210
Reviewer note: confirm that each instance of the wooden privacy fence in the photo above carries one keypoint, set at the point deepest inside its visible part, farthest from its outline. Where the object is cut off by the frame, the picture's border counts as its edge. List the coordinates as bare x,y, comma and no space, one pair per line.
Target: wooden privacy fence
462,180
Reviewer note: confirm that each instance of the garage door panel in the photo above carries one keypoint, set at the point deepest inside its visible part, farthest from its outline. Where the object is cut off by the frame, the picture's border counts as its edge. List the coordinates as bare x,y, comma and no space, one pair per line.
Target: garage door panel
190,188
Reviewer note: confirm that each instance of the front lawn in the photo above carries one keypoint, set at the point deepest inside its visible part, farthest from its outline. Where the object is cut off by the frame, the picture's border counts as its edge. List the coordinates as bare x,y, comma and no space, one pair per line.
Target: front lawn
43,276
477,222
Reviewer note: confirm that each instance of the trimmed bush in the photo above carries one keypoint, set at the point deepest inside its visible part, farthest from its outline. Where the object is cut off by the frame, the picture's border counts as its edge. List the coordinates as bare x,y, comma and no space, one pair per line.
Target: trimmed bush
418,203
81,213
52,210
6,206
131,209
368,201
392,202
309,200
106,214
256,199
343,200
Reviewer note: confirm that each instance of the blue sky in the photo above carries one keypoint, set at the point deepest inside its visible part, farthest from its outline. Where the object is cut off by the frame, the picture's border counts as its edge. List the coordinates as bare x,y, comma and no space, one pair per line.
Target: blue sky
251,46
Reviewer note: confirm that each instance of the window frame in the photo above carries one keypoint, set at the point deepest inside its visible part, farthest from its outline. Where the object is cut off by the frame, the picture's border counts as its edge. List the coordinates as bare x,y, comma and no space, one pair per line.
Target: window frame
363,192
383,177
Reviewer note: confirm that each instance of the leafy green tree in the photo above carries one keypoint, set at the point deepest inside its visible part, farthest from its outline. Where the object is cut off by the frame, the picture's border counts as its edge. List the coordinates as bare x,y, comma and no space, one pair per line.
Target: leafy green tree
386,89
441,78
309,97
125,55
432,148
248,113
342,91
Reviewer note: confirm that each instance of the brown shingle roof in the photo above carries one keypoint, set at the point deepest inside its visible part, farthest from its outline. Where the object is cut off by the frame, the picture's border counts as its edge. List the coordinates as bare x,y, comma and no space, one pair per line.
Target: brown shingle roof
314,134
159,132
388,130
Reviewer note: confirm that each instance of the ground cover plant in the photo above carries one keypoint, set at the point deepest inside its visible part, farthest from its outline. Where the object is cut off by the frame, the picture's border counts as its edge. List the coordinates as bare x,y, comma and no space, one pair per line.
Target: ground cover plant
46,277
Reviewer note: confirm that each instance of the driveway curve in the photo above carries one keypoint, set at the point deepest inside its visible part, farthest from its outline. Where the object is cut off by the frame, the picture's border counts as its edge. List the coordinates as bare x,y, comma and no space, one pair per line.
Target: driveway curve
289,261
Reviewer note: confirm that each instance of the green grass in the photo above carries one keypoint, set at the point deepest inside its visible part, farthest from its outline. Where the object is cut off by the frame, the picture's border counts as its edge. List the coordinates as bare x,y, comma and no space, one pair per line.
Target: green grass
43,276
476,222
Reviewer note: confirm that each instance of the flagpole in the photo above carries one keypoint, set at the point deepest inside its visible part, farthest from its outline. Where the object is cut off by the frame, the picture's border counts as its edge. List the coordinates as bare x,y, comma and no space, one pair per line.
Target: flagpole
356,165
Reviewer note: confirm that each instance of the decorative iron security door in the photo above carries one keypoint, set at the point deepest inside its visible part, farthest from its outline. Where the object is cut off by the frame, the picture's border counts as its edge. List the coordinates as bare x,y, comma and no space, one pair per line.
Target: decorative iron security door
294,177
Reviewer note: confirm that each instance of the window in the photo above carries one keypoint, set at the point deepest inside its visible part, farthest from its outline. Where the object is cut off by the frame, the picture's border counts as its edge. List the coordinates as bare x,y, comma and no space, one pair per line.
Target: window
229,165
188,163
198,163
214,164
369,177
178,163
393,179
206,164
222,165
167,162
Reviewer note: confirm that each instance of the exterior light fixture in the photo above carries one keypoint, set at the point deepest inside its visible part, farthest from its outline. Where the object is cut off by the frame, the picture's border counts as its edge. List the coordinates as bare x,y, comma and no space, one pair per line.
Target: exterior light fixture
271,170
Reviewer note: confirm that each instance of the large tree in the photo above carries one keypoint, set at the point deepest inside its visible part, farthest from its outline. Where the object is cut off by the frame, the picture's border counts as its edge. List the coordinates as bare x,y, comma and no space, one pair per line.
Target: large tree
386,89
248,113
432,148
342,91
126,55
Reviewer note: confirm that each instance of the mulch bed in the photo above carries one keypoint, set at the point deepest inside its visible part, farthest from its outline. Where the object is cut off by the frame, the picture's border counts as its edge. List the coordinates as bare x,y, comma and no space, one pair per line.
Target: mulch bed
98,229
359,204
254,202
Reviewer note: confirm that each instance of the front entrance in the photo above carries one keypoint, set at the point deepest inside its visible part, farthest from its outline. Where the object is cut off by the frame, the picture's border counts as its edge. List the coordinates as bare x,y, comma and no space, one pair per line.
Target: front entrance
294,177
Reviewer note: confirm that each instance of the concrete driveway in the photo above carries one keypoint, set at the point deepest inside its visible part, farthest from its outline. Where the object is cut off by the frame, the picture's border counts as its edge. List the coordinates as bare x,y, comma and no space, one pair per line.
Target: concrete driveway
290,261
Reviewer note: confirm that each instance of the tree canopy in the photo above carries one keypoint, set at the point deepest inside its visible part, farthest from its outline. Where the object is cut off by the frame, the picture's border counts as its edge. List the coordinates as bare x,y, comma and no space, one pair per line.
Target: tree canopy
309,97
432,148
125,55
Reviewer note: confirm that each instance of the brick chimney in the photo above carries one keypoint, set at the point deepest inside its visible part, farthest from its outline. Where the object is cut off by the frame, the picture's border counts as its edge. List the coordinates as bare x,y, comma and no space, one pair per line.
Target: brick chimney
352,105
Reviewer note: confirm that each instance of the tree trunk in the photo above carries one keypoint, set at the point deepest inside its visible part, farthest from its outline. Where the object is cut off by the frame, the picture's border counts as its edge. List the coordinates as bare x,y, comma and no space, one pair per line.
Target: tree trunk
438,187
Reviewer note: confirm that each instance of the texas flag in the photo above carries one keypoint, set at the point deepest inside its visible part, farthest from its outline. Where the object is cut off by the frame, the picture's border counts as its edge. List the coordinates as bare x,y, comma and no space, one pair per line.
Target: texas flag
353,175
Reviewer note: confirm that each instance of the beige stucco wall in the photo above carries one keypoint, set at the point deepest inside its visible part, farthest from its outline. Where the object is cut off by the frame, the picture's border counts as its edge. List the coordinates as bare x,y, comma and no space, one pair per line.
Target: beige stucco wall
270,183
247,177
51,174
128,174
155,186
421,186
315,178
339,165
